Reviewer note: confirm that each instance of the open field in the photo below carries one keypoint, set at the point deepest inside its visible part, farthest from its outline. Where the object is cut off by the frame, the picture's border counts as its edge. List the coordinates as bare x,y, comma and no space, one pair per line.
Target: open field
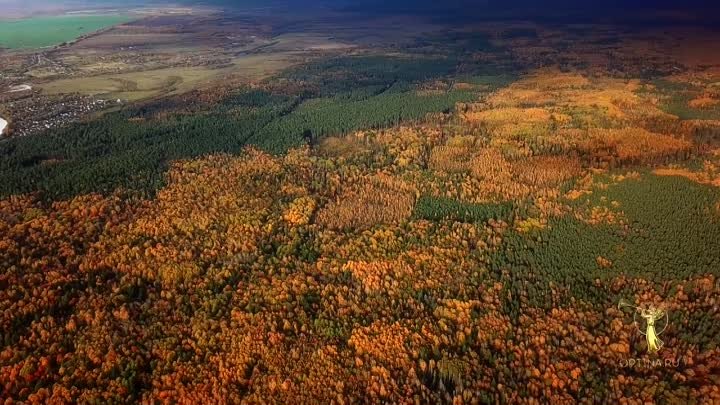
39,32
307,42
163,82
134,86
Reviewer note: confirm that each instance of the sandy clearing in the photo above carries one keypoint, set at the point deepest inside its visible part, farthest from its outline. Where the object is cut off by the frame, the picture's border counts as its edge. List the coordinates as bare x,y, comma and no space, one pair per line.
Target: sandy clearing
18,88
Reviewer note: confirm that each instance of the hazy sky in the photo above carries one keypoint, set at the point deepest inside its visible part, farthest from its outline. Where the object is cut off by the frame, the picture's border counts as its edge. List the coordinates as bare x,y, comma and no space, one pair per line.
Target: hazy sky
413,3
520,8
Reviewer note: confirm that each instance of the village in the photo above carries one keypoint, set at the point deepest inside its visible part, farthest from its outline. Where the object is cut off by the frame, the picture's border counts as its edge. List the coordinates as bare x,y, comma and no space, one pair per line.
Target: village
25,111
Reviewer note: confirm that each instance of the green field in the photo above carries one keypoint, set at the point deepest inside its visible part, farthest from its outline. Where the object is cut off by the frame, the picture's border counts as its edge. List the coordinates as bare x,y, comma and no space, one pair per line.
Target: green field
40,32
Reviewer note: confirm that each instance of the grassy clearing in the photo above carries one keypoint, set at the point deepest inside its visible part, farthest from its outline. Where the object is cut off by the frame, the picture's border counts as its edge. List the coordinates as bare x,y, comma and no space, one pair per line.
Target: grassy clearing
154,83
261,66
295,41
133,86
41,32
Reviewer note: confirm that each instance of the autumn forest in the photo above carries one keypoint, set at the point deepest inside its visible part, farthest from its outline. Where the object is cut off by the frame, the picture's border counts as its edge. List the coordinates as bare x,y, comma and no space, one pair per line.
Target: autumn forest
452,220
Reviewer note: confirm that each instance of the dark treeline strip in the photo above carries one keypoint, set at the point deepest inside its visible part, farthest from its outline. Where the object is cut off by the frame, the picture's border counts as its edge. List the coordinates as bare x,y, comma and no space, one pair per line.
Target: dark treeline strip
348,74
441,208
113,151
324,117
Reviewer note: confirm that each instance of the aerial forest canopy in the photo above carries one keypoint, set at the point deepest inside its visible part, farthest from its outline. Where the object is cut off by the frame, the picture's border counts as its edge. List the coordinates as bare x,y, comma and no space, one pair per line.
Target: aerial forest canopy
350,207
